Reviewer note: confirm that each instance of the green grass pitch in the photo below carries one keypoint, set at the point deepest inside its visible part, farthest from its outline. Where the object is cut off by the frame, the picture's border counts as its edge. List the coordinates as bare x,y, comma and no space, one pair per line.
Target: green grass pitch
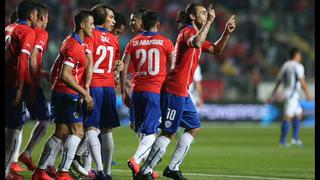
221,151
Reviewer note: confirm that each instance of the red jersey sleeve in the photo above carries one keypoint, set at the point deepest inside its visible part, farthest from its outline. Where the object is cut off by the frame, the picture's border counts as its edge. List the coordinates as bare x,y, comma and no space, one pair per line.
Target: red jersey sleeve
27,41
188,35
170,47
206,46
128,49
88,45
69,57
41,40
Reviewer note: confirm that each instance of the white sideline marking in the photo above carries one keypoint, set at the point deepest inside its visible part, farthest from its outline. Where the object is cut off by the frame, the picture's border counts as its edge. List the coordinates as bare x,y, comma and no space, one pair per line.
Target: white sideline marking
223,175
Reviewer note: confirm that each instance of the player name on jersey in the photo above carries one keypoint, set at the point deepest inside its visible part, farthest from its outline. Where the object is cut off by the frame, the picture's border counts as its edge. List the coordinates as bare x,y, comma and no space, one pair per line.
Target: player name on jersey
148,42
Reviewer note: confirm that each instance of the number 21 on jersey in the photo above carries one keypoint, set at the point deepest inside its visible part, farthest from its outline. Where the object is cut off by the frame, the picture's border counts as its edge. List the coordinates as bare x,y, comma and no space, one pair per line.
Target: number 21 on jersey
102,51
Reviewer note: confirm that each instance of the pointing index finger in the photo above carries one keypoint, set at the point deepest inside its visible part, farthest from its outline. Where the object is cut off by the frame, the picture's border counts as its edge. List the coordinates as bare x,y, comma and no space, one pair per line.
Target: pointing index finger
231,18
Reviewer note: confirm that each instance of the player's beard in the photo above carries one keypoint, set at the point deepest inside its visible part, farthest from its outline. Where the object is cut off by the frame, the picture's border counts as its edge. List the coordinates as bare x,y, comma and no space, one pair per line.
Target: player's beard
199,25
198,22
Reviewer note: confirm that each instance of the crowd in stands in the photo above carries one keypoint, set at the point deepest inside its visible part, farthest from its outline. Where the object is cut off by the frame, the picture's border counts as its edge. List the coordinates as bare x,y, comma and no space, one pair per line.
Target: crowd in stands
266,29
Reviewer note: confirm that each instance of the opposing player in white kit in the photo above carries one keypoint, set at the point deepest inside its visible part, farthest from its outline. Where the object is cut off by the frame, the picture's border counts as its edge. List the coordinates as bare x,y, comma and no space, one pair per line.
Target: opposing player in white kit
195,88
292,77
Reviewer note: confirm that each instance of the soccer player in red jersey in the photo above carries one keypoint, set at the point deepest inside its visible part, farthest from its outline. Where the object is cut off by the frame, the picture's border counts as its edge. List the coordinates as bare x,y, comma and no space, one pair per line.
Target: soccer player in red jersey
150,54
83,153
120,25
136,21
67,91
19,40
34,97
14,165
56,147
176,105
135,24
105,53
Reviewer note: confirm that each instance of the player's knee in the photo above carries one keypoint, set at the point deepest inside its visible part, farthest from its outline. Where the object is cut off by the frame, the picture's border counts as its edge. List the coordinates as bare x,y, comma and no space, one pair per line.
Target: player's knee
61,131
299,116
193,132
287,118
167,134
90,128
61,135
77,129
79,134
106,130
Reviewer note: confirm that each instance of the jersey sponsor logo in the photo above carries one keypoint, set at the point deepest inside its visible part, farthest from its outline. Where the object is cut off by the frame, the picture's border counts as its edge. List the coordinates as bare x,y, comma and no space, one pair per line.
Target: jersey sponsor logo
167,124
76,115
104,39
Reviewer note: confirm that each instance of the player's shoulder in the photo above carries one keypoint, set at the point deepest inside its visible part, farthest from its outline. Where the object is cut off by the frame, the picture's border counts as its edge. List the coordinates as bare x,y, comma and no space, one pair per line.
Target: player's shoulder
40,30
188,29
95,34
165,42
25,28
288,62
111,36
186,32
299,66
162,37
10,27
137,37
70,43
168,41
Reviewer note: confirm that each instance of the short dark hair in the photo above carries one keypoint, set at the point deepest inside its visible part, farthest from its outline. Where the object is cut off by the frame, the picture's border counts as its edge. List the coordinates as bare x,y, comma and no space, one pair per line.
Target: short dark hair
120,19
25,8
99,13
149,19
183,18
42,10
293,51
139,13
80,17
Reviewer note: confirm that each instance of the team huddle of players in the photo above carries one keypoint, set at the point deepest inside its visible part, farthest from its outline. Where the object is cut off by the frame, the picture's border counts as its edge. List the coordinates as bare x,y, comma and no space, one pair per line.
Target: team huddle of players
153,75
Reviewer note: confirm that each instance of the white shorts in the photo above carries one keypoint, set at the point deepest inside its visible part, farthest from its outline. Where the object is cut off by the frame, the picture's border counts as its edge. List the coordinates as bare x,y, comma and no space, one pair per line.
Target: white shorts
292,107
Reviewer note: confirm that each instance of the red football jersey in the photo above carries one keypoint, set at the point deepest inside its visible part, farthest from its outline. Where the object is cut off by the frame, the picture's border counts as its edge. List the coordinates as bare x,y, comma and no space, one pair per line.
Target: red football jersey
72,53
19,41
149,52
185,63
41,44
105,50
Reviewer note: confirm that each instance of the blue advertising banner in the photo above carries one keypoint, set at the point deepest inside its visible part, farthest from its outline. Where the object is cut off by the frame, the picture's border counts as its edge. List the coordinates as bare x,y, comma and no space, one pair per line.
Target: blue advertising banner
255,112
